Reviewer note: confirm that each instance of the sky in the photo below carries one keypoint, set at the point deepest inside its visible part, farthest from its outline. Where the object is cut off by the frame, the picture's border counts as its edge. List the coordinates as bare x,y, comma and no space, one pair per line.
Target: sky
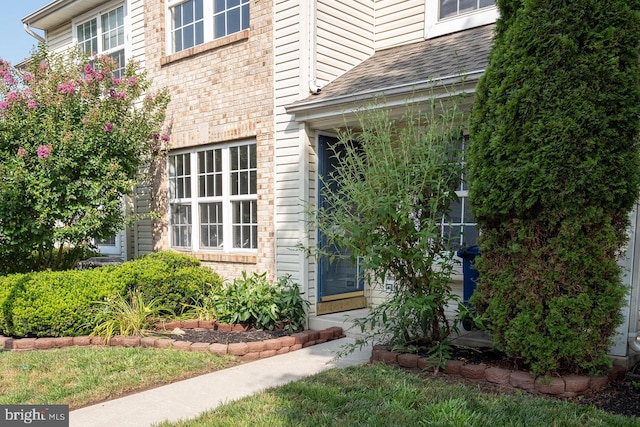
15,43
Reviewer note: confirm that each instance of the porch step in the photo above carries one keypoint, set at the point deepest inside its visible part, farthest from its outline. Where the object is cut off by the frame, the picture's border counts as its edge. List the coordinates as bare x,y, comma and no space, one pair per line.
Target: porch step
343,320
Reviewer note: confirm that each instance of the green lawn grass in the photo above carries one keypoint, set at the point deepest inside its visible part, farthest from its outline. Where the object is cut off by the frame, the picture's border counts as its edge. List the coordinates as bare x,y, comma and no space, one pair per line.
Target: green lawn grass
79,376
382,396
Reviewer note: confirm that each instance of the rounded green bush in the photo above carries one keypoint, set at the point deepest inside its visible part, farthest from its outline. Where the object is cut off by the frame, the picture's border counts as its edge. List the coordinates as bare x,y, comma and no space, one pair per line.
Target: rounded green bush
174,280
54,304
64,303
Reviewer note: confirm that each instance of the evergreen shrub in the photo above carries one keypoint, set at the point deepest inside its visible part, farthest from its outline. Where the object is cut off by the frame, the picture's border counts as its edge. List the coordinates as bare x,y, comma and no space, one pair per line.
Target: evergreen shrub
554,171
65,303
61,303
173,280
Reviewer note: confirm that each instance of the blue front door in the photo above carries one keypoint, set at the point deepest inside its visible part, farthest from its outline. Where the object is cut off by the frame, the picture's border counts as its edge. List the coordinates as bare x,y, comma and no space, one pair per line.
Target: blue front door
338,278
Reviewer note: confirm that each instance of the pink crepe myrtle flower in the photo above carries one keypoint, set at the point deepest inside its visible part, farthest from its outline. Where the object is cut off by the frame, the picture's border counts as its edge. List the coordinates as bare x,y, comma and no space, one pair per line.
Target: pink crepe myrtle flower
8,78
165,137
108,127
44,151
67,87
27,77
13,96
117,81
3,105
22,152
121,95
27,92
32,105
132,81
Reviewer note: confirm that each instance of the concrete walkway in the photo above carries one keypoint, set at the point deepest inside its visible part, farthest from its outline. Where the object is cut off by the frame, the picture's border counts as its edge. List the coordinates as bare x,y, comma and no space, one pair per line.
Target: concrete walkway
187,399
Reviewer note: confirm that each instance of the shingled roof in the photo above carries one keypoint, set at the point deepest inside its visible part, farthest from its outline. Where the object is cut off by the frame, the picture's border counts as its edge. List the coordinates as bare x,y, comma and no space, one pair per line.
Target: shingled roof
435,59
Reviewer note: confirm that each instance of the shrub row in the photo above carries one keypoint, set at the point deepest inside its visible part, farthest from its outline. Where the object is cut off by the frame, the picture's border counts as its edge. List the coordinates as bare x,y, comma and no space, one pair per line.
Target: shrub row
63,303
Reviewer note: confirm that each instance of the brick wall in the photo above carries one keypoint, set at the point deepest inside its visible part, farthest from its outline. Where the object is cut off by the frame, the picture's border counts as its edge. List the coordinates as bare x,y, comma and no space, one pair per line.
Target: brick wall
220,91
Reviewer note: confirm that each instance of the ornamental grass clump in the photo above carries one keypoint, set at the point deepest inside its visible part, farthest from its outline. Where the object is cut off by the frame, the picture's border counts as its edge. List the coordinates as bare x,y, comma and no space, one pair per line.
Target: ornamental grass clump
554,171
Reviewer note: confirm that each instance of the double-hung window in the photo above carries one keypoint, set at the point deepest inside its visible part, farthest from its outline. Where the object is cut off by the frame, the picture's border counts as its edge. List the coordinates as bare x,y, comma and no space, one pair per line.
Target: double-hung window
459,226
104,33
194,22
448,16
213,198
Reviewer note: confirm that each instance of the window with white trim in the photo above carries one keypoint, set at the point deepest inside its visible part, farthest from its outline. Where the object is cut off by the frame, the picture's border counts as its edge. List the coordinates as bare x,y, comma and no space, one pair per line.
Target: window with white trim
104,33
459,226
213,198
194,22
448,16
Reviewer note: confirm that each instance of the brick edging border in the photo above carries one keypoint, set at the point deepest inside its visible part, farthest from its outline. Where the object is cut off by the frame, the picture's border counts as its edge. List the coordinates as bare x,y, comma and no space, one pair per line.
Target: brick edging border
561,386
244,351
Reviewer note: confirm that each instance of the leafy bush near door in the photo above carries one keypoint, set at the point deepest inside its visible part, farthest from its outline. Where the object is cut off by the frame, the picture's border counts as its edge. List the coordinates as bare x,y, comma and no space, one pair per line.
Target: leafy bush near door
385,204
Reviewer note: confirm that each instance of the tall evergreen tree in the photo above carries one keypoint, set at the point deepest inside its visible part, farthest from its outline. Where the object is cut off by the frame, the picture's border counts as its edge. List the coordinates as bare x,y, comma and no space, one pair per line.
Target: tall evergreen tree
554,171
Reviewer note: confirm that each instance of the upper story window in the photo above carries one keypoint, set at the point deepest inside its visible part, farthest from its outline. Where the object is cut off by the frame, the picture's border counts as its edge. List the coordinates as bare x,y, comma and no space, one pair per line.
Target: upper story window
449,16
104,33
195,22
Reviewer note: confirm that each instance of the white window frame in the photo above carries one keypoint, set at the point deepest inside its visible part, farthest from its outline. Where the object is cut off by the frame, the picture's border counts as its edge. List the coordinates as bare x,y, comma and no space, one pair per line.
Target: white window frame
227,199
107,249
434,26
97,15
462,192
208,19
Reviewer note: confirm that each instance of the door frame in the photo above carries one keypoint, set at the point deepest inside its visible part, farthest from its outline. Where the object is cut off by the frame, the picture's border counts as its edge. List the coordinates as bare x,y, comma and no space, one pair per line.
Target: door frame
342,301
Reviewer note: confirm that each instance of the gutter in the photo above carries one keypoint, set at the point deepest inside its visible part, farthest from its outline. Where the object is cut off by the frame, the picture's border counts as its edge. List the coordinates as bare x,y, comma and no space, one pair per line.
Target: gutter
33,34
387,91
313,86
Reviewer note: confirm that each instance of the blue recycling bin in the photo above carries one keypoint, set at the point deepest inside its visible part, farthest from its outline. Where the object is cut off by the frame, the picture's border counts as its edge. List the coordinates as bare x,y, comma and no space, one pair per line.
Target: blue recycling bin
469,272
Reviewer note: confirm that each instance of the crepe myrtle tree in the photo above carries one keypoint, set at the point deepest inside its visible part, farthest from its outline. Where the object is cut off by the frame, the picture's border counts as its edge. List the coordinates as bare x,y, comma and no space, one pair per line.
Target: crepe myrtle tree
73,138
554,172
383,206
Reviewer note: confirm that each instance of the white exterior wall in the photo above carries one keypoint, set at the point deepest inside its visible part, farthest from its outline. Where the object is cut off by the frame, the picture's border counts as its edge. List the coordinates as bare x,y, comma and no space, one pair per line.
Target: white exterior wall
344,39
135,35
289,66
399,22
60,39
344,36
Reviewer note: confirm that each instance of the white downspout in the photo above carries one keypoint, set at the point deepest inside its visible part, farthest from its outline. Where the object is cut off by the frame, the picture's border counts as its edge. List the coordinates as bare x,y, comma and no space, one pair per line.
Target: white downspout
633,343
29,31
313,86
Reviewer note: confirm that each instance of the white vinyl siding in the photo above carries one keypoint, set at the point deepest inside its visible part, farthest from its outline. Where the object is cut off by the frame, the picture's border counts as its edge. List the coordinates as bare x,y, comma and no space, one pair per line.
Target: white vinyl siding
136,31
344,37
60,39
399,22
291,53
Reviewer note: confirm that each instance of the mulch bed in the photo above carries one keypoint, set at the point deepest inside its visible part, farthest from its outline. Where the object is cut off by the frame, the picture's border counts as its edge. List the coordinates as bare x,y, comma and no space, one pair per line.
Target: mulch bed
221,337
